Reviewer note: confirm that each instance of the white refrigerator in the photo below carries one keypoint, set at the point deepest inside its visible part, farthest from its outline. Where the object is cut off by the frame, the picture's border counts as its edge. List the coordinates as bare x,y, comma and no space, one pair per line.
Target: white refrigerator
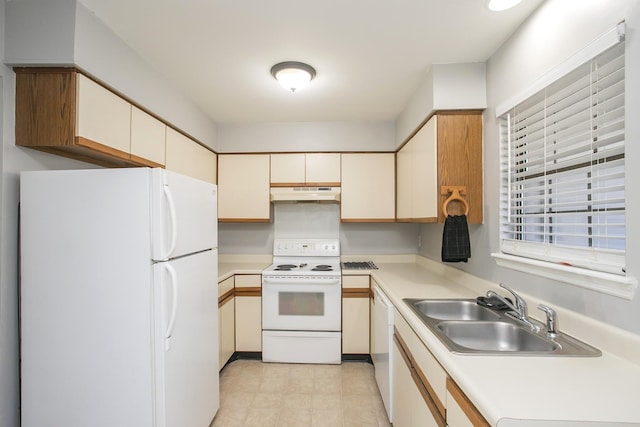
118,299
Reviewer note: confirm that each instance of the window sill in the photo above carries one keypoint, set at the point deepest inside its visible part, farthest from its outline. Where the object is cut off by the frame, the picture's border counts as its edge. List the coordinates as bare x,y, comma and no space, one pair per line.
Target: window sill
610,284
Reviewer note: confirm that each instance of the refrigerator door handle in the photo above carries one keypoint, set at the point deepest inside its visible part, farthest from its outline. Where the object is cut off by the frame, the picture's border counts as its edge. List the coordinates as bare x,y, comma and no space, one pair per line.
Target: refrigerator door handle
174,304
174,221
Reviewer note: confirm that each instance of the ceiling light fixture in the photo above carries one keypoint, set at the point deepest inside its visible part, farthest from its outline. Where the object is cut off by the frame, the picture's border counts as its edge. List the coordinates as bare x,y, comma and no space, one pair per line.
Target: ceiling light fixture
499,5
293,75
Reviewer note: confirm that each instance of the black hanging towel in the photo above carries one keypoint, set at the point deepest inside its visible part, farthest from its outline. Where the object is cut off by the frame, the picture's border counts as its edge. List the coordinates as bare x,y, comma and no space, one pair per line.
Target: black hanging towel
456,246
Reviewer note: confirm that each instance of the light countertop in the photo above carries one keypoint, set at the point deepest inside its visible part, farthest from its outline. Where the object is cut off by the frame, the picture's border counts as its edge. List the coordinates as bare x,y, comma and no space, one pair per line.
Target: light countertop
513,390
522,390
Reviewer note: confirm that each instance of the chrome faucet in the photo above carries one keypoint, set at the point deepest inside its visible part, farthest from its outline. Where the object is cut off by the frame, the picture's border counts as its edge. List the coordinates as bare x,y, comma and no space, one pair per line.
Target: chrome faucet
517,309
552,320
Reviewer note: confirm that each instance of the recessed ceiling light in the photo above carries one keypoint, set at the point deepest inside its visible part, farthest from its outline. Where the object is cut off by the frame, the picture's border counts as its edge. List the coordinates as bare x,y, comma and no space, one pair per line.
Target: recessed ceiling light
499,5
293,75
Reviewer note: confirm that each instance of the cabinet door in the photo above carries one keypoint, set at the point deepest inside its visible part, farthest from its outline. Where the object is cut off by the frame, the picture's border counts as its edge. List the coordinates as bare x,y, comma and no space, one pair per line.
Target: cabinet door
226,321
226,318
187,157
103,117
355,314
461,412
424,191
322,169
404,182
243,188
368,187
248,323
147,139
402,386
287,169
248,313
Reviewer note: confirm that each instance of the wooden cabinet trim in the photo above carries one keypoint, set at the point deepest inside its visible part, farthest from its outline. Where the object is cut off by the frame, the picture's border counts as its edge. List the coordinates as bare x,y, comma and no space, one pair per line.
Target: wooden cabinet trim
426,391
141,161
356,293
249,292
226,297
469,409
371,220
104,149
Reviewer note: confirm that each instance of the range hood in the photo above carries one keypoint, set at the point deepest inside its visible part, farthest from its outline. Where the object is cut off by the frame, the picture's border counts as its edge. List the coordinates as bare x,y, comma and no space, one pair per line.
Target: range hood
305,194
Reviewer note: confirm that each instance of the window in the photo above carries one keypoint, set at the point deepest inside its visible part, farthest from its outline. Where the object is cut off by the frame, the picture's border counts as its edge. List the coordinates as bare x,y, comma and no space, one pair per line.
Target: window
562,171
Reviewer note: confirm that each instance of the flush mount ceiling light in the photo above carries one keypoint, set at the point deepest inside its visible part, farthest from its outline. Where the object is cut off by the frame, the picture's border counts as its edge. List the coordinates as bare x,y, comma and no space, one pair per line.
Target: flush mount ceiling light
499,5
293,75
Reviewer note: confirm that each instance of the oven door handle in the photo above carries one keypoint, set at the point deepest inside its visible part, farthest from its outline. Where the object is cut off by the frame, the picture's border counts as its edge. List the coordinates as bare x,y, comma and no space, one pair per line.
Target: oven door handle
328,282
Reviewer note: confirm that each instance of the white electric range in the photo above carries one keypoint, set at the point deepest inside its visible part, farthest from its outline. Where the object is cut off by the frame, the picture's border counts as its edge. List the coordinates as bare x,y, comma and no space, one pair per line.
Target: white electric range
302,302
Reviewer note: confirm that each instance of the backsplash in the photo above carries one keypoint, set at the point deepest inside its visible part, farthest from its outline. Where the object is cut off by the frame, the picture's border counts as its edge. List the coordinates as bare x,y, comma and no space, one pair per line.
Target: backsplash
318,220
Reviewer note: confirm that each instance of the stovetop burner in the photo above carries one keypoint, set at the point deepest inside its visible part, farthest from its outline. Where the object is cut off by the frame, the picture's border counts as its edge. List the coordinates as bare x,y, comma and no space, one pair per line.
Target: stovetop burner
298,258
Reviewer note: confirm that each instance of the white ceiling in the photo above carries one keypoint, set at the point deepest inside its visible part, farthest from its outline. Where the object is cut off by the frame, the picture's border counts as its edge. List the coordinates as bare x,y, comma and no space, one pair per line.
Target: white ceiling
370,55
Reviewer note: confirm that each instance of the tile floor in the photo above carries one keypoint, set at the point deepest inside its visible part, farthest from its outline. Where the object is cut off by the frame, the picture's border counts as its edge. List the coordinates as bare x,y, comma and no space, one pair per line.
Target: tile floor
253,393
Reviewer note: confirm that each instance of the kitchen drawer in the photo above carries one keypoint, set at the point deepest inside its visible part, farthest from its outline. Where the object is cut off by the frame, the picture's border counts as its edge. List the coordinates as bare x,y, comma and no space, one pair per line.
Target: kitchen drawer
360,281
225,286
248,280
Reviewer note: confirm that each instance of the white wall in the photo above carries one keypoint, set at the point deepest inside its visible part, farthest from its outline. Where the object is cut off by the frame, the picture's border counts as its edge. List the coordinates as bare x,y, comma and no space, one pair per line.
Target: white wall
305,136
65,32
444,87
555,32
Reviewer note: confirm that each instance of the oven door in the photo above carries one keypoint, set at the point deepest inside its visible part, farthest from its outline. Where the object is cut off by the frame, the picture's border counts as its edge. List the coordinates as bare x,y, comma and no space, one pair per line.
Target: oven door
310,304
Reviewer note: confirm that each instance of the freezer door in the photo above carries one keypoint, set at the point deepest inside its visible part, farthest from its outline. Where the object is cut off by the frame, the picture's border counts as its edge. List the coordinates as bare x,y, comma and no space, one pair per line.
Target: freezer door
186,309
184,215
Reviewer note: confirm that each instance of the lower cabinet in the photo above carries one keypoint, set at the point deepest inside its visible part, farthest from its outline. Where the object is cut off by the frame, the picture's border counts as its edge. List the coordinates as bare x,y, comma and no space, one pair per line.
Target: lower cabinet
460,410
412,404
423,394
226,321
248,306
355,314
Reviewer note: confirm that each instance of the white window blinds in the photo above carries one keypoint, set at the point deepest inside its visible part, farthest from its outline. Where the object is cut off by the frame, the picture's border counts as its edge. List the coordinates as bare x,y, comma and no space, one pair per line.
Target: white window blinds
562,169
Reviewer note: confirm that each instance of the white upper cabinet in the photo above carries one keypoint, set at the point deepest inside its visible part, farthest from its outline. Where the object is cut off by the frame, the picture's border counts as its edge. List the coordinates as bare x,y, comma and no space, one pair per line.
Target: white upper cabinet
322,169
147,137
288,169
103,116
187,157
297,169
368,187
243,188
417,176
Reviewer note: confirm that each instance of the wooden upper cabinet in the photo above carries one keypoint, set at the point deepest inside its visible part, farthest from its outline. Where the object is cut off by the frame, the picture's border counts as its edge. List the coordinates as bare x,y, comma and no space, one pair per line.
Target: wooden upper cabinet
243,188
460,162
63,112
305,169
187,157
148,136
446,152
368,187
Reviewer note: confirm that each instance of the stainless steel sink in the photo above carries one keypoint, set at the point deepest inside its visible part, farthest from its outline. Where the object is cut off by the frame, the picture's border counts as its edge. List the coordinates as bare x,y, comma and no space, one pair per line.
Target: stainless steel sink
494,336
465,327
452,309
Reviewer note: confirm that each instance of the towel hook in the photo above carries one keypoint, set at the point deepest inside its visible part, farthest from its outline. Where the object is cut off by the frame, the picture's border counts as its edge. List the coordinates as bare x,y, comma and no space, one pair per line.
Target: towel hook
456,194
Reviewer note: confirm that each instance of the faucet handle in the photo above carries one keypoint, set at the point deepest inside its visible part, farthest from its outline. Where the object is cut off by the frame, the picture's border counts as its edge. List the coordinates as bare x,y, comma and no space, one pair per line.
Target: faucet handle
519,302
552,320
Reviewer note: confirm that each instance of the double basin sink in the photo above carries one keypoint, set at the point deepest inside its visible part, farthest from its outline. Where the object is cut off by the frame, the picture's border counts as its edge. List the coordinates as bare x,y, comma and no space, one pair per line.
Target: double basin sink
466,327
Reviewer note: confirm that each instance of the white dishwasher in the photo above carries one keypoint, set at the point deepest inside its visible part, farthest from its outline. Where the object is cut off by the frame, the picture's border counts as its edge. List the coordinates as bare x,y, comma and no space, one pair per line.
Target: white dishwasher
383,350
